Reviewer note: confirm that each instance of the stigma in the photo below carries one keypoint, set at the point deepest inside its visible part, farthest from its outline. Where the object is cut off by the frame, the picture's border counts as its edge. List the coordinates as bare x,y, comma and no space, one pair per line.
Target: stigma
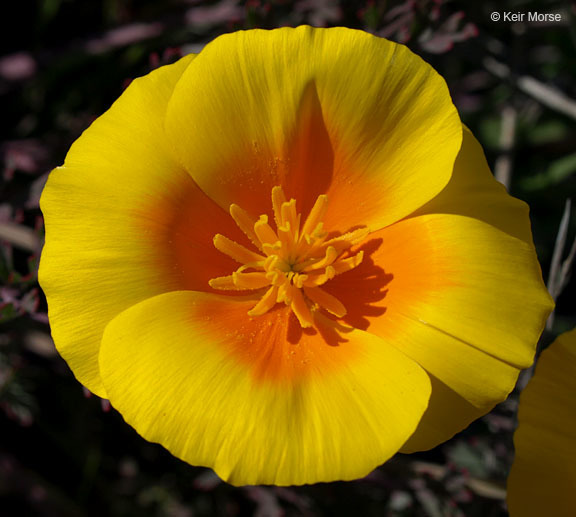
291,260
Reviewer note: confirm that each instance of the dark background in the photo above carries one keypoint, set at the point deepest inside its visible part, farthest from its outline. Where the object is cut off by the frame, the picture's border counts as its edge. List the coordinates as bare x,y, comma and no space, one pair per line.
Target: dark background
63,62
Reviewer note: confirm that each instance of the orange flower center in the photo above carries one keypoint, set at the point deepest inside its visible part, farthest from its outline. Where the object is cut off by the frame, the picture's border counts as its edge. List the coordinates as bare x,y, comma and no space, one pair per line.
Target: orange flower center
293,261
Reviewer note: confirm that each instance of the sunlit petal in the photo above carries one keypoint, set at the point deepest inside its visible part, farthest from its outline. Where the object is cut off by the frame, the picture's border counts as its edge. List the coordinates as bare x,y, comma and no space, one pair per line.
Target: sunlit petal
248,400
123,222
463,299
302,112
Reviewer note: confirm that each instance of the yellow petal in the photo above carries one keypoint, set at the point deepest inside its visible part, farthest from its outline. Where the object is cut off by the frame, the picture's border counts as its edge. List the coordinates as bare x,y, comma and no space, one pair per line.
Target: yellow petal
474,192
316,111
463,299
123,222
543,476
264,402
447,414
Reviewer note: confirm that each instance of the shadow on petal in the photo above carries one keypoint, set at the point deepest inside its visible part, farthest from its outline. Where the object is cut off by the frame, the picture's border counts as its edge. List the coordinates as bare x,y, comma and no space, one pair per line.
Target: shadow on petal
363,289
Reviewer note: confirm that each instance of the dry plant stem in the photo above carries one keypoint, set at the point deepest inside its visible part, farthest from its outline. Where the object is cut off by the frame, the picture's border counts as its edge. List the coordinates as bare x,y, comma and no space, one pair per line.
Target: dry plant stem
557,280
560,272
481,487
504,162
20,236
566,271
546,95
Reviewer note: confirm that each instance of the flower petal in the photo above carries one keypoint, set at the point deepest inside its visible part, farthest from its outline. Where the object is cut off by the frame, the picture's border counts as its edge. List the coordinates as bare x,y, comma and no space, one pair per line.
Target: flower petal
259,400
463,299
474,192
316,110
123,222
543,475
447,413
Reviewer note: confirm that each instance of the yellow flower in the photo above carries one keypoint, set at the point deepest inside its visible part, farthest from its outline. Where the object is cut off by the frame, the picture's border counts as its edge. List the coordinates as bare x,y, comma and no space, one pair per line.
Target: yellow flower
543,476
285,259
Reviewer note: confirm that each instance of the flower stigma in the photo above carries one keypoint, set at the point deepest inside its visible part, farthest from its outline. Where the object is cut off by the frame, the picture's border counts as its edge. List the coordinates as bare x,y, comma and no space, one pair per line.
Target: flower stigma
293,261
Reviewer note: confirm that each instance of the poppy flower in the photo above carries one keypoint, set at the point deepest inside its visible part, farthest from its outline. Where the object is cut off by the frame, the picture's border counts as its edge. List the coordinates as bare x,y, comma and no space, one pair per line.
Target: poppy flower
543,476
286,259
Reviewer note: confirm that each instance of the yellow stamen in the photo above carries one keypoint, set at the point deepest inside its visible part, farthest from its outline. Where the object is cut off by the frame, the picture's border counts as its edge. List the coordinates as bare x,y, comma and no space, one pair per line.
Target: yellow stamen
344,265
301,309
278,199
244,222
316,214
286,237
225,283
236,251
343,242
299,280
326,300
295,261
329,257
264,232
265,304
272,249
250,280
320,278
290,216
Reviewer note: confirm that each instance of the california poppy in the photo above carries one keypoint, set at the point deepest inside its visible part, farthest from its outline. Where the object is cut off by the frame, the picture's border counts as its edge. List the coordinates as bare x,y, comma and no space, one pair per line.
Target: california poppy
286,259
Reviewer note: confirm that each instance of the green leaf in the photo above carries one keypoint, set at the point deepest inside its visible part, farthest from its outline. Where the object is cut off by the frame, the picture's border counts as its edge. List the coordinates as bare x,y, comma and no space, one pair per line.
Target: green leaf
557,172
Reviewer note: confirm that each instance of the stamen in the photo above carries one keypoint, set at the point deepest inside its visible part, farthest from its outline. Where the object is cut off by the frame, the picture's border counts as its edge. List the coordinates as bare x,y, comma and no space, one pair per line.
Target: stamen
236,251
225,283
326,301
284,293
278,199
291,219
264,232
316,214
272,249
286,237
295,261
329,257
301,309
347,240
316,278
265,304
299,280
250,280
244,222
344,265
